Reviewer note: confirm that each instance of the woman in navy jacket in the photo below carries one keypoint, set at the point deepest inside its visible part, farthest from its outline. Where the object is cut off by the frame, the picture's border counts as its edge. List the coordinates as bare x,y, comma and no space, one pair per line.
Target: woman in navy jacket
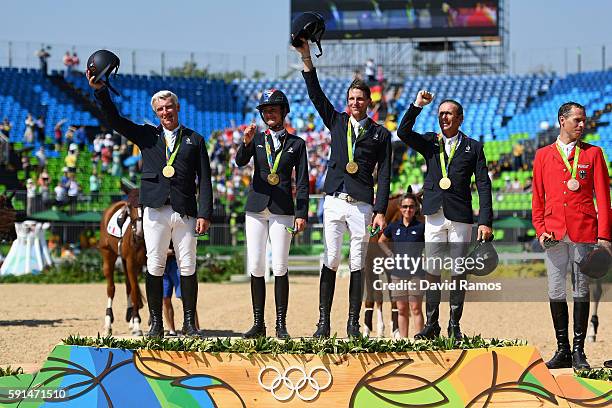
270,209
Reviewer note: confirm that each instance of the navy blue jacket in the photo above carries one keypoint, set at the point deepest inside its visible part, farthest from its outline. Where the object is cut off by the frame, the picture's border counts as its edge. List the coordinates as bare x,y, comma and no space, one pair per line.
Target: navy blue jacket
279,198
191,163
371,149
469,159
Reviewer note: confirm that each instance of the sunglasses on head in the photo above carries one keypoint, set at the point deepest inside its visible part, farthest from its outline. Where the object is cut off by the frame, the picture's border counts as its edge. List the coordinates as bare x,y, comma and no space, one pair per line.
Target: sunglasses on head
408,206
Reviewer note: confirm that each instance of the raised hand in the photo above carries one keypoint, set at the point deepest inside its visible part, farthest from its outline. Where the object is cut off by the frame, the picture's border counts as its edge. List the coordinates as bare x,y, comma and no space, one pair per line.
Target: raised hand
304,49
424,98
249,133
95,85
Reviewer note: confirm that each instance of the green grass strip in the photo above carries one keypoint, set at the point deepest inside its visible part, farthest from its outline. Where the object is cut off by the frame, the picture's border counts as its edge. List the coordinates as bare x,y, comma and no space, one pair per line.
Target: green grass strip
269,345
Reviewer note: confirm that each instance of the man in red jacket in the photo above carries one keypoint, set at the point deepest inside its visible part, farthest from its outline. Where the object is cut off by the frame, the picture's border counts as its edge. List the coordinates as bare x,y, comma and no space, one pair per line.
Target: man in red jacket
565,175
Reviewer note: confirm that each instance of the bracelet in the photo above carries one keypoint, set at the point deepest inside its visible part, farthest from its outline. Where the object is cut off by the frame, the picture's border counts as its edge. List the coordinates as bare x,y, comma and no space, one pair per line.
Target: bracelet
306,58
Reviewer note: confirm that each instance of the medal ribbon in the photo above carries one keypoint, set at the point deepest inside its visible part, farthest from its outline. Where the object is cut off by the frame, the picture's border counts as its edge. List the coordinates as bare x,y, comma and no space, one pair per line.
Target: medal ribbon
273,165
349,139
177,145
574,168
443,163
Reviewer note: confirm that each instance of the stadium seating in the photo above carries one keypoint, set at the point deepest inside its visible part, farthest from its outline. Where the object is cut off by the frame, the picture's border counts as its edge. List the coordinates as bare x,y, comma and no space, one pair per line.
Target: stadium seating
591,89
499,109
487,100
24,91
295,89
206,105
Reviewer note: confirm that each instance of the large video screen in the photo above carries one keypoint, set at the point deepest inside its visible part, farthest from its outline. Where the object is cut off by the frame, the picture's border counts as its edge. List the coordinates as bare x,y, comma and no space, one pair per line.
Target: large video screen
364,19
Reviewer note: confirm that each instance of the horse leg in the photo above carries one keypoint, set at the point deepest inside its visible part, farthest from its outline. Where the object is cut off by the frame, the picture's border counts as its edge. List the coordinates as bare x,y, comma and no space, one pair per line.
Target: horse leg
594,322
109,268
380,323
128,292
367,319
395,332
131,273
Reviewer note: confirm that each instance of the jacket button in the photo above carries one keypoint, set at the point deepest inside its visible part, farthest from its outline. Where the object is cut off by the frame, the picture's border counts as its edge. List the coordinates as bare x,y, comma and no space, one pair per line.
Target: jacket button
564,170
565,192
565,204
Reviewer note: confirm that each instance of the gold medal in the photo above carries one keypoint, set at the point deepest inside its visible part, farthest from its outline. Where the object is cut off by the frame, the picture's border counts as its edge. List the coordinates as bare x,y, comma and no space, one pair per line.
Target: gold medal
445,183
168,171
273,179
352,167
573,184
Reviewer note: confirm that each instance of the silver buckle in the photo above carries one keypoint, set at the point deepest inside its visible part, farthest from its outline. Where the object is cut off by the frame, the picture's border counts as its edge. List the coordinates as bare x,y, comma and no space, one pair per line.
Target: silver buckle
346,197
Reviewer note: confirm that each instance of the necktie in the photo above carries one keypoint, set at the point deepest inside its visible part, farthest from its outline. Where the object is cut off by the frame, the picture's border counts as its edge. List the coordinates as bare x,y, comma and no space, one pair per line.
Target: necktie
280,138
357,129
171,140
272,145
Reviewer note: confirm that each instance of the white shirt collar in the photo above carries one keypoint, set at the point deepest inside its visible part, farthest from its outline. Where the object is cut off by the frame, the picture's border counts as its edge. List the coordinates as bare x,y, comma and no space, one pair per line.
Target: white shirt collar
276,137
450,139
169,133
277,134
360,123
567,148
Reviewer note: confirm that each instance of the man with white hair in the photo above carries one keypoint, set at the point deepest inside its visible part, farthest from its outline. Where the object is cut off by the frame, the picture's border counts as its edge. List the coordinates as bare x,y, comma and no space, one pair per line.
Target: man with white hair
175,161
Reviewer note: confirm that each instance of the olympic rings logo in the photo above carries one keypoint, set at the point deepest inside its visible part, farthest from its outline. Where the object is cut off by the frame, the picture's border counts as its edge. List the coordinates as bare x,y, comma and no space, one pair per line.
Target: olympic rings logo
298,388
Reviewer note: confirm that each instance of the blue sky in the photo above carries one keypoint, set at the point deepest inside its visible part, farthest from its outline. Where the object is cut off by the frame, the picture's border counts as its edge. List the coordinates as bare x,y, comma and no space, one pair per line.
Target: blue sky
241,33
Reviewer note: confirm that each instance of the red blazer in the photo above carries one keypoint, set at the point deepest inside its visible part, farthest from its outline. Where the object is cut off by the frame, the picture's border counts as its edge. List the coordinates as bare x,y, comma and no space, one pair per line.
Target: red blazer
557,209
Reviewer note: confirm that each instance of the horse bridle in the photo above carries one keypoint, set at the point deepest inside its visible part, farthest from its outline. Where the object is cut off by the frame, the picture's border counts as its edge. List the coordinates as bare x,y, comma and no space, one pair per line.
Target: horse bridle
136,225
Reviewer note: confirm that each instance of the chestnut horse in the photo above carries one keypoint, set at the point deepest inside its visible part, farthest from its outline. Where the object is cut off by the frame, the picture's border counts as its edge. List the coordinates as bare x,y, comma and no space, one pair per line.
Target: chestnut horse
131,249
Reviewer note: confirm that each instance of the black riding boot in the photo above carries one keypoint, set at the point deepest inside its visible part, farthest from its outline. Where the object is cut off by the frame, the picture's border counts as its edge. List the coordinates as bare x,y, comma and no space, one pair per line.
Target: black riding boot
355,297
563,355
281,298
154,287
581,318
258,297
431,330
189,294
456,300
327,285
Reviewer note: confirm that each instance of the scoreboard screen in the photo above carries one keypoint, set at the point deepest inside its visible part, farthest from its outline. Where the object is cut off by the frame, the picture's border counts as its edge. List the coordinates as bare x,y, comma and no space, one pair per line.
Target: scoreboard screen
367,19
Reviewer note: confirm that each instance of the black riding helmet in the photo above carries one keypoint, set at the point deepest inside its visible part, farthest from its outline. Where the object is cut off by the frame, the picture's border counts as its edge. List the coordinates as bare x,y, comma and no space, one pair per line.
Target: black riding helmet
271,97
101,65
597,262
308,26
484,258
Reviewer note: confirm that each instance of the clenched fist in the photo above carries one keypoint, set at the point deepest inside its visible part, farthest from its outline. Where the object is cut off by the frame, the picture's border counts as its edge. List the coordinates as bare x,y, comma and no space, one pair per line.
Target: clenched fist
423,98
249,133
